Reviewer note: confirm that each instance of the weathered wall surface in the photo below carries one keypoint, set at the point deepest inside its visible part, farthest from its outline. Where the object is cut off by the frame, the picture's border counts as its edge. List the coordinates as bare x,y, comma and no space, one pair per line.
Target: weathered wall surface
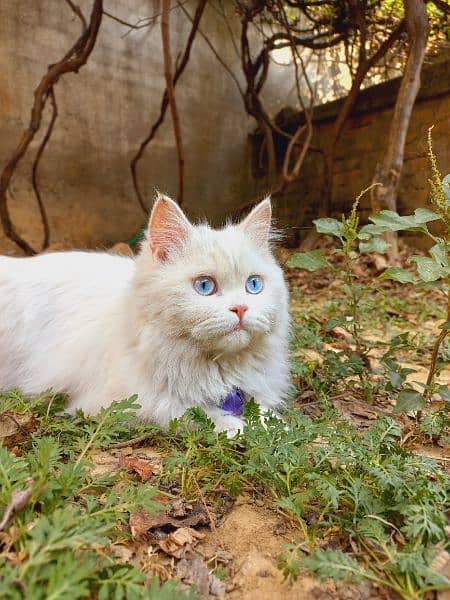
362,145
104,113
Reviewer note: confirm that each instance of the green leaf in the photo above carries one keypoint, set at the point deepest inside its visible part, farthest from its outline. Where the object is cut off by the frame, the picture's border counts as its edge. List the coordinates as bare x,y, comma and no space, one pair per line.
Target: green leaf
334,564
329,226
391,221
428,268
444,392
367,230
409,400
334,322
440,254
376,244
398,274
309,261
423,215
396,379
446,186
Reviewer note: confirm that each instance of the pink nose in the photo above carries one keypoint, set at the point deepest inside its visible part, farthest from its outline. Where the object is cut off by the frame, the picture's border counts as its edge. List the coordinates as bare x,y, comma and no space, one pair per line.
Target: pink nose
240,310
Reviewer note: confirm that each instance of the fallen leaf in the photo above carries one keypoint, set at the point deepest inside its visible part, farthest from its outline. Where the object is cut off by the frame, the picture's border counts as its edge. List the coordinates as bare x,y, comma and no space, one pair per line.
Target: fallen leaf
19,499
16,428
194,572
144,468
16,558
178,542
441,564
141,522
178,508
123,554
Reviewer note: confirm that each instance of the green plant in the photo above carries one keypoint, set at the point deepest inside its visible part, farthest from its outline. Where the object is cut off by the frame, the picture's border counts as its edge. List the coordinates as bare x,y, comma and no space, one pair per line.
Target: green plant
346,231
432,270
55,545
386,506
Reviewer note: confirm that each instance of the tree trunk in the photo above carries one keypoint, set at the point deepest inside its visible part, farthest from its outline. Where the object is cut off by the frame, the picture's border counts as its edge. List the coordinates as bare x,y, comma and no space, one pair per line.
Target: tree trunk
388,172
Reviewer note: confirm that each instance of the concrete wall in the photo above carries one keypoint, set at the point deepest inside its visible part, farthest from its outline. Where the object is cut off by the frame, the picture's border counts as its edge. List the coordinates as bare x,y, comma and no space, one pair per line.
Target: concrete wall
361,146
105,111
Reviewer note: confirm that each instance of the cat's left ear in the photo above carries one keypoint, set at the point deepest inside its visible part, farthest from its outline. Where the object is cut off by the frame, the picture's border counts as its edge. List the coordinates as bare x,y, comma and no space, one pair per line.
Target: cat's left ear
168,228
257,223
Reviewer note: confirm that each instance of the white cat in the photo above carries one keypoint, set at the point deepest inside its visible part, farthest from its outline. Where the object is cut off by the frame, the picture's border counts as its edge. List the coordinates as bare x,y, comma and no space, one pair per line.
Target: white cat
197,314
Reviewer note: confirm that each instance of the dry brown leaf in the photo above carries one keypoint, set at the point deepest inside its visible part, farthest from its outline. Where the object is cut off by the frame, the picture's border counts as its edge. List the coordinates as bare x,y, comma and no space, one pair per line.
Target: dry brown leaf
194,571
178,542
16,558
144,468
16,428
123,554
141,522
19,499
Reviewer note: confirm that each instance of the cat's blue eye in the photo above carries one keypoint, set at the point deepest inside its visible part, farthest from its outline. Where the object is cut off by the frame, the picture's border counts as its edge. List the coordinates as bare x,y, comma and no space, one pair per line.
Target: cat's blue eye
205,286
254,284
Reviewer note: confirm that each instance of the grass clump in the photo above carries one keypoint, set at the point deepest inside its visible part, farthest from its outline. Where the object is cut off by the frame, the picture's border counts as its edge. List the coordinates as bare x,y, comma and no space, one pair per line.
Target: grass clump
56,544
384,507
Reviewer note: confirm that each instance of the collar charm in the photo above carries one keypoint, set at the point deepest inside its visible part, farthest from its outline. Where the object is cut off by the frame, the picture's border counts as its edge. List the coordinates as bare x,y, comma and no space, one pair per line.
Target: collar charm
234,402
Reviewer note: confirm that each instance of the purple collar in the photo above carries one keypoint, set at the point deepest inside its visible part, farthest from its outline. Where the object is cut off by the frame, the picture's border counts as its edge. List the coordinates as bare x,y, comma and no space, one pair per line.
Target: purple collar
234,402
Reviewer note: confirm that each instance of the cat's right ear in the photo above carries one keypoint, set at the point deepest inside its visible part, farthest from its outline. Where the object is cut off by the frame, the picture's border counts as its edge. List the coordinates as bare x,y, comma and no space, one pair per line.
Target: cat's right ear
168,228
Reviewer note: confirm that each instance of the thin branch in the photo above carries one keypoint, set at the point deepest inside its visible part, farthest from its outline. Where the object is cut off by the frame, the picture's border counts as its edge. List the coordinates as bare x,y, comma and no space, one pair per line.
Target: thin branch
214,51
442,5
140,23
222,13
165,36
70,63
76,9
164,104
34,176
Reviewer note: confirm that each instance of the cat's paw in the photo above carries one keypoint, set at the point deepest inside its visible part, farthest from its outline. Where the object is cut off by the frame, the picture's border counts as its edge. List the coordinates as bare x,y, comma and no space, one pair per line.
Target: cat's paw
229,423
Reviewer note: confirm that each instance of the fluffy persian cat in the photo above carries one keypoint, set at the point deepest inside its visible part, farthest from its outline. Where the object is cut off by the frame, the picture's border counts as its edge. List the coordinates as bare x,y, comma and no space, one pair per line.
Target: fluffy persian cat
198,315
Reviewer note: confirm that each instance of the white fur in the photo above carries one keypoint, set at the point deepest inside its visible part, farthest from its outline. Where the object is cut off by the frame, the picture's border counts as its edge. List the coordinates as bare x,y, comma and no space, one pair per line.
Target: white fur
102,327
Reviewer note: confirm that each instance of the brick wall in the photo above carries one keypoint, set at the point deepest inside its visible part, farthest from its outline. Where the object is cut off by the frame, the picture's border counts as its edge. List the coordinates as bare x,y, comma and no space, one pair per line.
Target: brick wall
362,145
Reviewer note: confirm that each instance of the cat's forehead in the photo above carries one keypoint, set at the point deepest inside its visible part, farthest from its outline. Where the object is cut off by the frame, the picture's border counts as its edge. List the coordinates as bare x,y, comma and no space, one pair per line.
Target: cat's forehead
226,251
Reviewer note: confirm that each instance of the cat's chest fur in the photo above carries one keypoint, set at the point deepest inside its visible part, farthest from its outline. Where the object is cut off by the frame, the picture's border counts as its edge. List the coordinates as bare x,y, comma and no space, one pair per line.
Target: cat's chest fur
170,375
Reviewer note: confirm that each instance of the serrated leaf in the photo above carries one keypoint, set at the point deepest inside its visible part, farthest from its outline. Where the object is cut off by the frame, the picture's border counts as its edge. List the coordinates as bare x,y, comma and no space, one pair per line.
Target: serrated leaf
309,261
334,564
409,400
398,274
428,268
376,244
329,226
